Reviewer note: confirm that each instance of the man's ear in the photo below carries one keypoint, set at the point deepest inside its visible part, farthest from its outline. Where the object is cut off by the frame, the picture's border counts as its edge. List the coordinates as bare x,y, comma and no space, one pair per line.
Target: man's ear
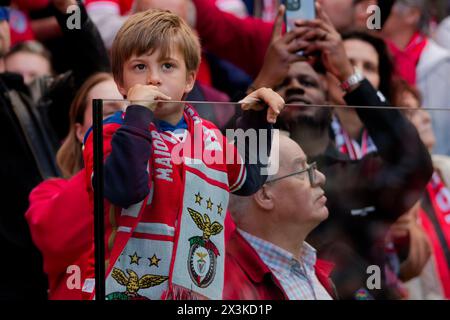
264,198
190,81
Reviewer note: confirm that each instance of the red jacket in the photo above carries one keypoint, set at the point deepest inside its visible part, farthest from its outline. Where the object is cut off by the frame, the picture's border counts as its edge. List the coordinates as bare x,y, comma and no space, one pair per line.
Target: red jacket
243,42
248,278
62,228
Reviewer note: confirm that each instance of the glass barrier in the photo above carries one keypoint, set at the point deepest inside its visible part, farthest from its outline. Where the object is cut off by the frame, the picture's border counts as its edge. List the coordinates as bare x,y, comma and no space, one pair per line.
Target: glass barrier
171,188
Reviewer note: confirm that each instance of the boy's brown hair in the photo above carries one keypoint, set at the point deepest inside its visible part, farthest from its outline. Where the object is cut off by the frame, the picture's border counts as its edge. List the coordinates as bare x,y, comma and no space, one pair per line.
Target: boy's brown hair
150,30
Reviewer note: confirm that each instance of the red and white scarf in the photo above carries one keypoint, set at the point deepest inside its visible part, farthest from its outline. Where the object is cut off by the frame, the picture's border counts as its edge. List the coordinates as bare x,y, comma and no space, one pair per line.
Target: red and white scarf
407,59
350,146
435,219
171,244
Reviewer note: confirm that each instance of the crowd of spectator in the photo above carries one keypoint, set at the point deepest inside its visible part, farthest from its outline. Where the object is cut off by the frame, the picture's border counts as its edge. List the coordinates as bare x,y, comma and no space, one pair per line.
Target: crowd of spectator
356,118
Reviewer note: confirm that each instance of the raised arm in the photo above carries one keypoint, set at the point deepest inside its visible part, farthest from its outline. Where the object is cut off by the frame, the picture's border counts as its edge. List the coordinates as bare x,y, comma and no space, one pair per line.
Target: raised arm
240,41
261,109
88,56
398,177
91,55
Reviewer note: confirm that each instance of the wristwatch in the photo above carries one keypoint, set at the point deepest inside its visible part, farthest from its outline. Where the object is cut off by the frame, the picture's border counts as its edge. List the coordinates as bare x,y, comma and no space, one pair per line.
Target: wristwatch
353,80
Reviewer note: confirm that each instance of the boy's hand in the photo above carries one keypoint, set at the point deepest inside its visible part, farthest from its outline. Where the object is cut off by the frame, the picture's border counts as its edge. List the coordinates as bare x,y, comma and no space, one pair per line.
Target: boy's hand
264,96
146,95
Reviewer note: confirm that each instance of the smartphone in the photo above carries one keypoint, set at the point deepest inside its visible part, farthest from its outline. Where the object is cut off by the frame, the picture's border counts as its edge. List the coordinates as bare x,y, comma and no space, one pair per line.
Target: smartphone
298,9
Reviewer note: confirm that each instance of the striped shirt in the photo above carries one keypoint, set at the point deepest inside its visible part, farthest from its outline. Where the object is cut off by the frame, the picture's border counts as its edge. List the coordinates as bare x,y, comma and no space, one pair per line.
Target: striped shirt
298,278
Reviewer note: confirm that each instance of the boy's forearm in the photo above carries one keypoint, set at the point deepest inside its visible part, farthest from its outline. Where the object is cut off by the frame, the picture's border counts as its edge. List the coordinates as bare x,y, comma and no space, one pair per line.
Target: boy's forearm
254,163
126,175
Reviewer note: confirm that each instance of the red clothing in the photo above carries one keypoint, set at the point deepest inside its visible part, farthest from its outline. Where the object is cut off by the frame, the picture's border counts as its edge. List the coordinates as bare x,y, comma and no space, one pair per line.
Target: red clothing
435,219
62,228
88,259
27,5
243,42
406,60
20,27
124,6
161,224
20,22
204,72
248,278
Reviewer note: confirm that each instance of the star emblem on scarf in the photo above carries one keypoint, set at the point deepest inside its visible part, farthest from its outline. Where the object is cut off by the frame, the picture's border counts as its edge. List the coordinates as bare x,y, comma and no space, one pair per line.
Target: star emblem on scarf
134,258
209,204
154,261
219,209
198,198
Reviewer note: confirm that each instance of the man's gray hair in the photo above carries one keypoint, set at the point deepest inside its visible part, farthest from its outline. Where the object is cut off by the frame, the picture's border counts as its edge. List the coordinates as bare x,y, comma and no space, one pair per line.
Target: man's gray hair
238,206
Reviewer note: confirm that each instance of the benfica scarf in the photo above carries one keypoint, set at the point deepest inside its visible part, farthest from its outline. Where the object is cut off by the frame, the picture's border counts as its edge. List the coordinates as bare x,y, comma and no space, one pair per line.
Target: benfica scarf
435,219
406,60
171,244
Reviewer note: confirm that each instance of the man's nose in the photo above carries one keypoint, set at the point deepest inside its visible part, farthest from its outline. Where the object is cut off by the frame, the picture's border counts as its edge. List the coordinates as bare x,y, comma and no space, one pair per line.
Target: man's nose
297,85
320,179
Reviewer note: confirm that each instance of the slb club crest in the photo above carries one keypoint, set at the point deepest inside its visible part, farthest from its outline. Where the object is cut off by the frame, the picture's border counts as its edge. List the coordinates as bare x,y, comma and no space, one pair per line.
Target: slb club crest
203,253
133,284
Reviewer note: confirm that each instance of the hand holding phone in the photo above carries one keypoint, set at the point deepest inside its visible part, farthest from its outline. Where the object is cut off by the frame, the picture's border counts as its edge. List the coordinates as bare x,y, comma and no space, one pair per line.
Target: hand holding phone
326,42
298,10
281,53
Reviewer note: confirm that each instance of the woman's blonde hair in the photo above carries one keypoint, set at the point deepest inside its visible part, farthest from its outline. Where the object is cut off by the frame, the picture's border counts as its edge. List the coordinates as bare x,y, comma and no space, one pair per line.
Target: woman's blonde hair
70,156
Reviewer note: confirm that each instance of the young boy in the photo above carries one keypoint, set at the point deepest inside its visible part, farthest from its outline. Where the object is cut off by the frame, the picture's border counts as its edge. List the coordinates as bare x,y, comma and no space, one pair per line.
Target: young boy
165,216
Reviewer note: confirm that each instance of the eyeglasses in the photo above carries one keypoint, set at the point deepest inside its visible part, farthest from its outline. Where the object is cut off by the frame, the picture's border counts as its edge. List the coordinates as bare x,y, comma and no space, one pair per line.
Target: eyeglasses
312,174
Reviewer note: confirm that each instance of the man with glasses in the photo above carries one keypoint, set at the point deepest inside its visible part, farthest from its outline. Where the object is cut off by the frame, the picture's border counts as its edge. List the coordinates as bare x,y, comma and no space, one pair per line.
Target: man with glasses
267,256
364,197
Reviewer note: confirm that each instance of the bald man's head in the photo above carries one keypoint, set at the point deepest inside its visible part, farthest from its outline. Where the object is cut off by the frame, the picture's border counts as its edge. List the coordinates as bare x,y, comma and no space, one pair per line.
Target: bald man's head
291,203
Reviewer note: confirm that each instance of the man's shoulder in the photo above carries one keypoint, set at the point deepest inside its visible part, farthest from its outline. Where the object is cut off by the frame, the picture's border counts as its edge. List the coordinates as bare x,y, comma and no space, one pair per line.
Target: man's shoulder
239,282
241,254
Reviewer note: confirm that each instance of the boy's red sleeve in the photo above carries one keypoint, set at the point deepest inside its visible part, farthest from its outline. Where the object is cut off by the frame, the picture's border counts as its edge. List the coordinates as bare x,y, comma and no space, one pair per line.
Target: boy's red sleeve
237,172
247,171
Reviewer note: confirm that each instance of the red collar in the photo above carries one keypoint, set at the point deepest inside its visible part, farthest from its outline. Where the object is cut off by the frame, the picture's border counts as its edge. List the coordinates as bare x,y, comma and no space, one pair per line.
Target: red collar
324,267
